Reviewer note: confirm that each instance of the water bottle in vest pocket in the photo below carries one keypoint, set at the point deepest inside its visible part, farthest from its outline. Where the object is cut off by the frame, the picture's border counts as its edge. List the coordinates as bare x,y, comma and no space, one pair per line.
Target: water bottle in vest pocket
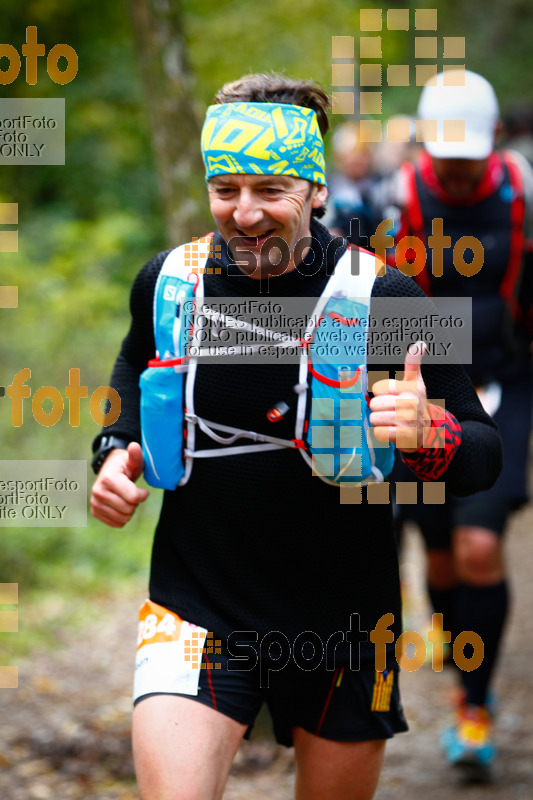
162,425
162,383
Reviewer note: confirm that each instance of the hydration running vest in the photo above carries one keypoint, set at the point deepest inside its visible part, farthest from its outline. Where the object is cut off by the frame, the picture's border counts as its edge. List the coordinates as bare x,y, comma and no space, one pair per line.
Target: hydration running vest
418,221
336,439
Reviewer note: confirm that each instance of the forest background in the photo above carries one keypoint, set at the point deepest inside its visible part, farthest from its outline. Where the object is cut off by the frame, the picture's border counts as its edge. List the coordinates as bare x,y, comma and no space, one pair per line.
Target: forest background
133,185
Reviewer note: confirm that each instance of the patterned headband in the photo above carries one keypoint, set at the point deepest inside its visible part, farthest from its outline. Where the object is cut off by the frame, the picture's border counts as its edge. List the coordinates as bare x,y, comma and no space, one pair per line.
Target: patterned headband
263,139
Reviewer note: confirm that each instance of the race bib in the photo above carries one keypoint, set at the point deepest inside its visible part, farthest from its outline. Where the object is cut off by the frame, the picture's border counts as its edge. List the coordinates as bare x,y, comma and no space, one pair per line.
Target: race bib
169,652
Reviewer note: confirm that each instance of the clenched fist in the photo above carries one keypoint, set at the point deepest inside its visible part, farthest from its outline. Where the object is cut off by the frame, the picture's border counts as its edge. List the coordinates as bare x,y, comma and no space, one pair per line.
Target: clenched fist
115,496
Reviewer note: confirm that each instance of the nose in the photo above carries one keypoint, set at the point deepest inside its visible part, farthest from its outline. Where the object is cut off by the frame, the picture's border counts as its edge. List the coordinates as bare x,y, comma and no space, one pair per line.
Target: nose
248,211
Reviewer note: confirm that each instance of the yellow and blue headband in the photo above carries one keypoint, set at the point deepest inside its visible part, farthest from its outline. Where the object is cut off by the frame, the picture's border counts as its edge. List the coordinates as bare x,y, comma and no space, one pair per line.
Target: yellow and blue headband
263,139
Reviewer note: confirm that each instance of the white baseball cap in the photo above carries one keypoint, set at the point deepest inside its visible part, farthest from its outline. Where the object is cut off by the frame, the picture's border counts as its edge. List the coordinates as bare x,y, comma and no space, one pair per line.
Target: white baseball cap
475,103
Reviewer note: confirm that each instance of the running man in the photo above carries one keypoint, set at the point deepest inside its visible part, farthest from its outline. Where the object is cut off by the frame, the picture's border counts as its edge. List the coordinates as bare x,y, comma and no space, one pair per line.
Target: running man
255,553
465,190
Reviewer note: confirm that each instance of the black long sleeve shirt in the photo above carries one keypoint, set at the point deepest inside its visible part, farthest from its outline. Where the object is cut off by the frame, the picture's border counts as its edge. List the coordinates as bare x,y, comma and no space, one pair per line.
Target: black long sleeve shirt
254,542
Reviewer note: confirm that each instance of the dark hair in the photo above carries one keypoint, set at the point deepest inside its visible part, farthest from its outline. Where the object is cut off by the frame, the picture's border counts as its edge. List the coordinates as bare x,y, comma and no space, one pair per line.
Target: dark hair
275,88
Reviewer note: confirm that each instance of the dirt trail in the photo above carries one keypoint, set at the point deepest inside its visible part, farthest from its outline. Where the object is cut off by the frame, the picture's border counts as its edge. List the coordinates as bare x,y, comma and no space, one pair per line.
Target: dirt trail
64,732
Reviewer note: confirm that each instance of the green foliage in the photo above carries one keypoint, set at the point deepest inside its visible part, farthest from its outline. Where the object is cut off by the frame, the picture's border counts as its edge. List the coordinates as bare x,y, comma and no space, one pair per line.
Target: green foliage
61,572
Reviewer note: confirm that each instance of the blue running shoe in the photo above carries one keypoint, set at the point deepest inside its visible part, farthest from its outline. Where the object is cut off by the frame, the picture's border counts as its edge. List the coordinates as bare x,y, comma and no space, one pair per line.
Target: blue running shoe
469,743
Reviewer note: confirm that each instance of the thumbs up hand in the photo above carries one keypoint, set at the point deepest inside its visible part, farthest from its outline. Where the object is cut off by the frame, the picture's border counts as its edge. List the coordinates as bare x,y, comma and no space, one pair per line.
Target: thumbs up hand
399,407
115,496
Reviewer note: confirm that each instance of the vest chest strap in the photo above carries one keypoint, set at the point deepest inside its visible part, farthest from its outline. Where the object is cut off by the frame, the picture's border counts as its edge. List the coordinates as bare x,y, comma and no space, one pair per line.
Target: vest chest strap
333,444
209,429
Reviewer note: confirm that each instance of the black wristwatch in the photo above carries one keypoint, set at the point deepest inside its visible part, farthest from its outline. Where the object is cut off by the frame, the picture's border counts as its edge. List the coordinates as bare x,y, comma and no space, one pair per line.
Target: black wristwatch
107,443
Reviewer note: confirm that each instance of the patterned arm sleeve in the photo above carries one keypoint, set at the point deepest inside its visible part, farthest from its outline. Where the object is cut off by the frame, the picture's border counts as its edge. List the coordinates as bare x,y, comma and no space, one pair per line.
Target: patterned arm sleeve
442,437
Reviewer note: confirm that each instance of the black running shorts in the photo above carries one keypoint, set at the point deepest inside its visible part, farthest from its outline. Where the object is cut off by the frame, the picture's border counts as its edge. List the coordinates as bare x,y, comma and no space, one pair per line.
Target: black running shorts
340,704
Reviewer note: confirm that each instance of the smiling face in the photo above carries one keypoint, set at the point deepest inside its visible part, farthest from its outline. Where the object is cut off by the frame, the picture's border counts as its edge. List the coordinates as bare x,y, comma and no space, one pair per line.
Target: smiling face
250,209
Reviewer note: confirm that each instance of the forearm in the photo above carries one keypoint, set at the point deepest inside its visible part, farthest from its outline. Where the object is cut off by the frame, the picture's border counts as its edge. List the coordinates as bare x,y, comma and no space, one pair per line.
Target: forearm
478,460
461,442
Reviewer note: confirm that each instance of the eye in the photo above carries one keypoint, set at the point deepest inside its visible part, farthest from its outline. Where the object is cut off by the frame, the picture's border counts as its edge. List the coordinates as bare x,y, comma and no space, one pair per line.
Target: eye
271,190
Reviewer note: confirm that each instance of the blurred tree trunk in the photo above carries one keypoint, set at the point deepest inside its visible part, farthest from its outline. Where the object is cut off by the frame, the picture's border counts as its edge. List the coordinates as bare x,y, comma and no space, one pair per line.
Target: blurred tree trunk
173,115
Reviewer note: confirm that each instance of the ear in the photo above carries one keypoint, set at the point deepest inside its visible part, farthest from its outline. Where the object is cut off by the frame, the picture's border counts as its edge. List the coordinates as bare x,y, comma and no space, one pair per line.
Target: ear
320,195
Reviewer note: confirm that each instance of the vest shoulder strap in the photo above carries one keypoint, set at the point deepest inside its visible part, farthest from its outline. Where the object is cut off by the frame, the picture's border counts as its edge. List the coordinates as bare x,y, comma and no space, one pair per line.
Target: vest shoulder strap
415,217
354,274
412,202
180,277
511,279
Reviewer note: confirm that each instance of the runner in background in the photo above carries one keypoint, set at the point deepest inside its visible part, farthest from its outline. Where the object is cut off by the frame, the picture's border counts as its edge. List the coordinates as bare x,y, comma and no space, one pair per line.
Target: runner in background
349,211
390,155
518,130
466,189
